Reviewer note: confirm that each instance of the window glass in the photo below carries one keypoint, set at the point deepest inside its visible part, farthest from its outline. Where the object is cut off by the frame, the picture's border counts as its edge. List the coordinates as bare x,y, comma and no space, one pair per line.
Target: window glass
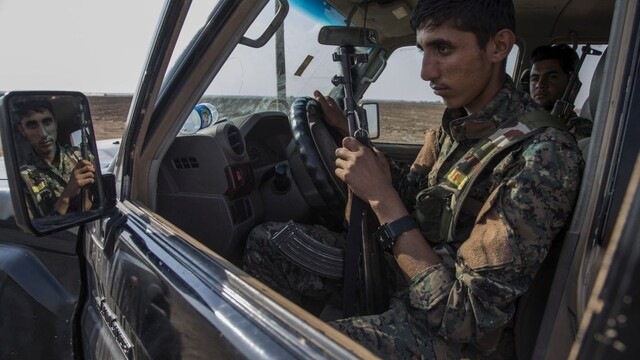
272,76
408,105
586,74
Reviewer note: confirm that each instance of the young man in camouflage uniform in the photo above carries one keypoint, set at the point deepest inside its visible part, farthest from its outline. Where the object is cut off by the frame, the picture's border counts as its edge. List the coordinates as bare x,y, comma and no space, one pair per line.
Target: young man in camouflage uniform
456,296
52,174
551,69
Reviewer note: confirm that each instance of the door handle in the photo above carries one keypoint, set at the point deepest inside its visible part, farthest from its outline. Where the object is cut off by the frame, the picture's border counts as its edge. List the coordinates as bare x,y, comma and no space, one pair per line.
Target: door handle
283,9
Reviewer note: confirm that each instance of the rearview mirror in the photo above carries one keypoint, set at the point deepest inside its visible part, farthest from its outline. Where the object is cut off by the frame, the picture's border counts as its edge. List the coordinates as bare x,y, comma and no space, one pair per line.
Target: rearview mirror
347,36
51,160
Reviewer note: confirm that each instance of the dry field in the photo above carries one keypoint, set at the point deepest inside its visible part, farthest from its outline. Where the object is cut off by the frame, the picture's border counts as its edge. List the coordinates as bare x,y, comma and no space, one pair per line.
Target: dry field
109,114
400,122
406,122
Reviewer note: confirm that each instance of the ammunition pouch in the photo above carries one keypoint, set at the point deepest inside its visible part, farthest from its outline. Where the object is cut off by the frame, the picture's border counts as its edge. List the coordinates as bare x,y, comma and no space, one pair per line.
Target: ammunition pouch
433,213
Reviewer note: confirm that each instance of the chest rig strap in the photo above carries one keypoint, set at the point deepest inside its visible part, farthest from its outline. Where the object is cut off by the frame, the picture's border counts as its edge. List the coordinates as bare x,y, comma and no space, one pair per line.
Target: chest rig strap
438,207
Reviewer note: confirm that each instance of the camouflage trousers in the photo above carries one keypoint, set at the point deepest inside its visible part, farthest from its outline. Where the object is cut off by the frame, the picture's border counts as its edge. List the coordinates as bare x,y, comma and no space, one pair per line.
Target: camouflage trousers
392,334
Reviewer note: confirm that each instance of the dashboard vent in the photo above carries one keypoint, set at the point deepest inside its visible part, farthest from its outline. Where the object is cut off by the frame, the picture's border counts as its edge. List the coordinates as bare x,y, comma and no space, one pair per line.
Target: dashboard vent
186,163
235,140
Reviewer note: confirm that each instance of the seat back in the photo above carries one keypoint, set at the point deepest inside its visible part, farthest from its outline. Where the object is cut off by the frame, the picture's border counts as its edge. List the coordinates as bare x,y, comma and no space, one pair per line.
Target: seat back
532,304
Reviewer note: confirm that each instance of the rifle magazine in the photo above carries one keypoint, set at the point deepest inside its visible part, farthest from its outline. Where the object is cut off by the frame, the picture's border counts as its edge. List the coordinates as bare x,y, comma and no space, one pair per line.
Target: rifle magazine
308,253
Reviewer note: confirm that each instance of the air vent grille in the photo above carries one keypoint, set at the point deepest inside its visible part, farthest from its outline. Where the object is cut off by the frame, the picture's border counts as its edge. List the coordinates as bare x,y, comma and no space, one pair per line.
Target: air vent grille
235,140
186,163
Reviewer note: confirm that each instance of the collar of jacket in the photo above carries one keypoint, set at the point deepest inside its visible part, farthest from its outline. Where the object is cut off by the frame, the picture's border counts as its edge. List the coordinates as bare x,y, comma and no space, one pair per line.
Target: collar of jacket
508,103
35,160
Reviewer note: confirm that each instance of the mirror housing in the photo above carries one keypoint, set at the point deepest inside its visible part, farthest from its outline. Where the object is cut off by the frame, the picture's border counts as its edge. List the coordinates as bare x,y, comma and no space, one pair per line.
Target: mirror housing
347,36
372,111
52,160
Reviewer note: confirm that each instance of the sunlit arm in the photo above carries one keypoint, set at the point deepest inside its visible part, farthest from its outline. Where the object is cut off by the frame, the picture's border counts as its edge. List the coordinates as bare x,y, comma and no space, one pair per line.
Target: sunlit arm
83,174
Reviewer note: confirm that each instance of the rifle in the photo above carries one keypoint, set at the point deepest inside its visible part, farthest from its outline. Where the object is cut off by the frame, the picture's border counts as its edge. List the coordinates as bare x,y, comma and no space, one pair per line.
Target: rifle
563,107
84,152
363,260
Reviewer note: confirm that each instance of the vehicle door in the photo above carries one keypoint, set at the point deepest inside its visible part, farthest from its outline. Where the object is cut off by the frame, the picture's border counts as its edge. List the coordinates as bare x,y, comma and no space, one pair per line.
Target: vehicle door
40,277
40,287
592,291
157,291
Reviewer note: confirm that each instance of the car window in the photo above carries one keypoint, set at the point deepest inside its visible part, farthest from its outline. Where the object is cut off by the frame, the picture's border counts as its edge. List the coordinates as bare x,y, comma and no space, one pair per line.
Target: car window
272,76
407,101
586,74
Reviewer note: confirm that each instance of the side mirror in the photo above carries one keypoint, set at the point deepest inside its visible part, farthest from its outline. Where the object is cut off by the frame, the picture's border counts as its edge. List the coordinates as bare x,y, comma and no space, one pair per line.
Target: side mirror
51,160
373,119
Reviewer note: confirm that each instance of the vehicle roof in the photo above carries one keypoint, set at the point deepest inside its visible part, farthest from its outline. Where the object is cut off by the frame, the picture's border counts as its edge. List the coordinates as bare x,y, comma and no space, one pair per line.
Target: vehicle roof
544,20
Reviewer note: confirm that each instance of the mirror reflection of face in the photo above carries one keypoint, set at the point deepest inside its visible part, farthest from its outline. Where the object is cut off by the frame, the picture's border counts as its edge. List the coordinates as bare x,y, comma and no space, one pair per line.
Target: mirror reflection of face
41,131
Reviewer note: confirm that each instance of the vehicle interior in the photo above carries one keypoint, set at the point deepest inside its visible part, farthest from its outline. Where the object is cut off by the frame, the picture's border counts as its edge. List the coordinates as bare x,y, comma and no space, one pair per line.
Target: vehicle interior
268,157
230,167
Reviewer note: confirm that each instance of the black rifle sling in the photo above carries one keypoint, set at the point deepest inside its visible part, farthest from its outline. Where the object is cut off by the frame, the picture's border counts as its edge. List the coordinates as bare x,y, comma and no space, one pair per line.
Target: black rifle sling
357,220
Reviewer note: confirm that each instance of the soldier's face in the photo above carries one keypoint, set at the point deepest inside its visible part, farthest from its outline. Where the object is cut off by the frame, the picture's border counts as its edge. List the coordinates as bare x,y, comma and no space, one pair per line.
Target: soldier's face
457,69
41,131
547,82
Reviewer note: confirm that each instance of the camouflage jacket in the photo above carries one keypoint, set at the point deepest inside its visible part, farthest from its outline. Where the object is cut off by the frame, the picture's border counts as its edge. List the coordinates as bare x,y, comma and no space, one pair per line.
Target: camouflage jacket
44,183
580,127
516,208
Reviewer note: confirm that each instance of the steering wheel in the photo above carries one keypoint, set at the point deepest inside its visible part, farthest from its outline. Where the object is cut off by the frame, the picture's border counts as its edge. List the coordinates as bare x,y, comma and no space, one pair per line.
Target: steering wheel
317,150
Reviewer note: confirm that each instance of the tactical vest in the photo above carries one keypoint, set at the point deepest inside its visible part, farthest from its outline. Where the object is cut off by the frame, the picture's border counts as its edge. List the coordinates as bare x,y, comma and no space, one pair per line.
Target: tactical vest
438,207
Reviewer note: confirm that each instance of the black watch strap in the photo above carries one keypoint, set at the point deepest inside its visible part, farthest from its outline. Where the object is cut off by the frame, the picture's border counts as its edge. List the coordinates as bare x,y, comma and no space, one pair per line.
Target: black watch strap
389,232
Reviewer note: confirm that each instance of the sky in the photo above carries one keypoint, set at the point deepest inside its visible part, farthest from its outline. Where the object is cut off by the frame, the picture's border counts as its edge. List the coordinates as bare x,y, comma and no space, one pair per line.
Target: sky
97,46
83,45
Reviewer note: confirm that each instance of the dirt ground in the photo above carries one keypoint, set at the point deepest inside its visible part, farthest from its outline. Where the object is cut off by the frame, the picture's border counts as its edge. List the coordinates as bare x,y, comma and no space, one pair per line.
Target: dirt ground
406,122
109,115
400,122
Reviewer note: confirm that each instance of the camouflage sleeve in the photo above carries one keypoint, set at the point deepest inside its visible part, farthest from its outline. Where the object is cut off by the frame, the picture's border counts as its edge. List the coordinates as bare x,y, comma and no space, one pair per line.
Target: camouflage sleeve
77,155
580,127
510,239
32,210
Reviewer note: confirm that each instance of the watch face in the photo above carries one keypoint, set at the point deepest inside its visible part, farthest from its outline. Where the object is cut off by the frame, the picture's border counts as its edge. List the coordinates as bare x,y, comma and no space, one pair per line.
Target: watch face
384,237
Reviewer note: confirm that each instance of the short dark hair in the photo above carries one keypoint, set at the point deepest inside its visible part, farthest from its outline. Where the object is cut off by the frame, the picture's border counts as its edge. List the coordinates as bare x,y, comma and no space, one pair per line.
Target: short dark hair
24,107
483,18
565,54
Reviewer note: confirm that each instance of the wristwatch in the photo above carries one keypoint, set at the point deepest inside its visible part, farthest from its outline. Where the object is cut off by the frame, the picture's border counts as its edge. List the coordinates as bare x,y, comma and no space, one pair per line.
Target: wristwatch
388,233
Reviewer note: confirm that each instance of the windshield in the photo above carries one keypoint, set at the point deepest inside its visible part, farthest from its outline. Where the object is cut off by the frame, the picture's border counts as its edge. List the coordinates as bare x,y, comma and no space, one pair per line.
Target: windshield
290,65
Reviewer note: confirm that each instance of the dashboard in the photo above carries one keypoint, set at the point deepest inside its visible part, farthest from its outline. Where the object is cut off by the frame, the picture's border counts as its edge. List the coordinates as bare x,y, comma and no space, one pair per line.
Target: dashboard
220,182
